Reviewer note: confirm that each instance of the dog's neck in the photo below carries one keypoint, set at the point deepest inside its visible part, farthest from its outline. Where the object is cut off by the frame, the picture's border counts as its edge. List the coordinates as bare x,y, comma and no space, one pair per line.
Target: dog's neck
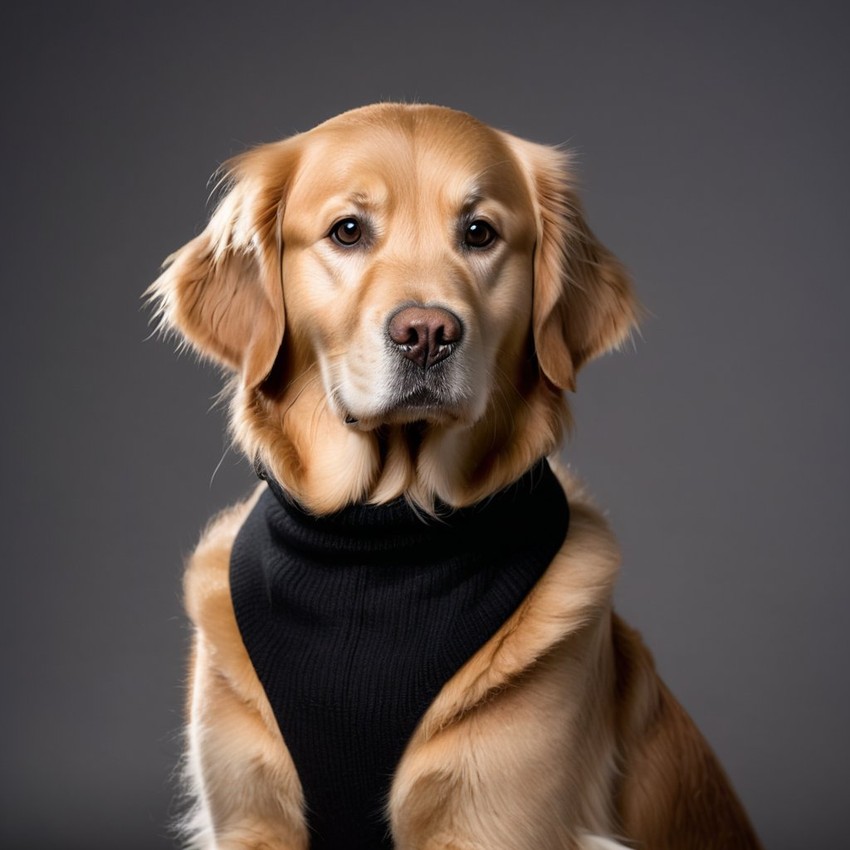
326,464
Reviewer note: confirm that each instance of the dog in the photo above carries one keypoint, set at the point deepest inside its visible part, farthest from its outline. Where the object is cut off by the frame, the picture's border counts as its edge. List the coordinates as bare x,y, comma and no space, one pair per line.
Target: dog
401,296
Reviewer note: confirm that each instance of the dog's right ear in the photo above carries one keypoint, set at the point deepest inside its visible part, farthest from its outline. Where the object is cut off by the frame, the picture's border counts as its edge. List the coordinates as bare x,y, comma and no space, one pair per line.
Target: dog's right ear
223,291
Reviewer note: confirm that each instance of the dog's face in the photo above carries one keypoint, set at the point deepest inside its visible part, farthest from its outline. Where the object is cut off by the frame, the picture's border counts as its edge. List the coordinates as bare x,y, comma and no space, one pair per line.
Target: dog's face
407,267
402,292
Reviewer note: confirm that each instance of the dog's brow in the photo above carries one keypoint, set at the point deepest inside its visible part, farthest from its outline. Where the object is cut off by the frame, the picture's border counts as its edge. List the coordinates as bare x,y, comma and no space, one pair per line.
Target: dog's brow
471,200
367,200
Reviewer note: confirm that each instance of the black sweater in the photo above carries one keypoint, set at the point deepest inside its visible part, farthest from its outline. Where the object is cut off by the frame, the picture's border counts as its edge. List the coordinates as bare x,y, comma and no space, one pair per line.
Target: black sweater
354,621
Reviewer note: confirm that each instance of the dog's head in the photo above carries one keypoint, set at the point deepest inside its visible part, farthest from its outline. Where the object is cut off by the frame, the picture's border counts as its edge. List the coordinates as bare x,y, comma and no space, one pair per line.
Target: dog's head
402,294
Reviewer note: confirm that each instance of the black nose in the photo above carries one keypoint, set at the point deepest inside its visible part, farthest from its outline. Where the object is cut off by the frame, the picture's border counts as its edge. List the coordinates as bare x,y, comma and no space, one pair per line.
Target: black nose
425,335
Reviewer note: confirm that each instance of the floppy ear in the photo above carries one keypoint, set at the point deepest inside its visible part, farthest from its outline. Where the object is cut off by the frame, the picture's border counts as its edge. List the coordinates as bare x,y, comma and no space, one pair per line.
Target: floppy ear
223,291
583,303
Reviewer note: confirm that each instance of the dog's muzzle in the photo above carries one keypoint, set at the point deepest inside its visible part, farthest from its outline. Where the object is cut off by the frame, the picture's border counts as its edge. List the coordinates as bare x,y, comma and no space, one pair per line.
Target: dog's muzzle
425,379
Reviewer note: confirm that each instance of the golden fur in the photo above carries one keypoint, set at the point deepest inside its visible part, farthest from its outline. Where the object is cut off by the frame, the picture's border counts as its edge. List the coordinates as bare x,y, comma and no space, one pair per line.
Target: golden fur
558,732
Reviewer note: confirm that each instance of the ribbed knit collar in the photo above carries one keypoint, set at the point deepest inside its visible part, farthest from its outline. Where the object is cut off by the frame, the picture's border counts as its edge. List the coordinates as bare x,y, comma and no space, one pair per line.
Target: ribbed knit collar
397,532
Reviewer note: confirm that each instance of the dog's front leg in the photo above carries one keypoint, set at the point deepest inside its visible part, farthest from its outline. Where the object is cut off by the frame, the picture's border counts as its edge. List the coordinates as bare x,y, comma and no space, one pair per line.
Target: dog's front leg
585,842
246,790
521,770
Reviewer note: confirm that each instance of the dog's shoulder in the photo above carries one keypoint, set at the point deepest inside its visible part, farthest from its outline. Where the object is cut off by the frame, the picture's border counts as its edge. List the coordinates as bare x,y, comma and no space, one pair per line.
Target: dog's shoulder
206,583
589,532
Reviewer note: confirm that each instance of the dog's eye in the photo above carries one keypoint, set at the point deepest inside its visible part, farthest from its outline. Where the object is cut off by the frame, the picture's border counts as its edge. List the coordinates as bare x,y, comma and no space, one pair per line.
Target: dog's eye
346,232
479,234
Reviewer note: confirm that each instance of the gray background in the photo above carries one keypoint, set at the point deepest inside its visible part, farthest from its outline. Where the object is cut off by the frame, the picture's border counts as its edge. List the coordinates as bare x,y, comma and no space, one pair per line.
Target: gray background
713,147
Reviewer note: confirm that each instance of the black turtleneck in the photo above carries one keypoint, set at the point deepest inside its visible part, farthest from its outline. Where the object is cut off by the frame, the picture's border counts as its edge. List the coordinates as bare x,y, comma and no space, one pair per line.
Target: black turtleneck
355,620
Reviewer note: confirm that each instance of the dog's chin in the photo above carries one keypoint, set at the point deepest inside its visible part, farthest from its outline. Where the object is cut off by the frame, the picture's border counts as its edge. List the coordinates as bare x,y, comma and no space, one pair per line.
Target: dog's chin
420,406
407,415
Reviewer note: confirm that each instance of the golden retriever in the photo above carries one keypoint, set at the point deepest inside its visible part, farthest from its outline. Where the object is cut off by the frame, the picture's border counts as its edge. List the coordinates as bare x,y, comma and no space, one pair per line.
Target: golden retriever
402,295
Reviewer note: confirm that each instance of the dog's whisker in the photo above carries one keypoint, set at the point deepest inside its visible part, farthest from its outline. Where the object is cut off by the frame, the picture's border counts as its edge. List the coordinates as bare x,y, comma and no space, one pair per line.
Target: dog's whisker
306,383
218,465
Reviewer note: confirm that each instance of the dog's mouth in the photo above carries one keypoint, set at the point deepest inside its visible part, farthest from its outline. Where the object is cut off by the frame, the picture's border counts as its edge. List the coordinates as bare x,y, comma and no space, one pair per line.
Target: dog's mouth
416,395
423,389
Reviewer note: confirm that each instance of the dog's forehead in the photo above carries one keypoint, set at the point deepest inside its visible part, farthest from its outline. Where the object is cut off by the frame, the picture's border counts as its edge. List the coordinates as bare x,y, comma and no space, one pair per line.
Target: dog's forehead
415,157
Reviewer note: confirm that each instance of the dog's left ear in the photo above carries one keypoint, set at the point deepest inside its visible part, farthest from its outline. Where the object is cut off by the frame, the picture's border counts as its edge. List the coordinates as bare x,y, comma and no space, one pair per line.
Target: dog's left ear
583,303
223,291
